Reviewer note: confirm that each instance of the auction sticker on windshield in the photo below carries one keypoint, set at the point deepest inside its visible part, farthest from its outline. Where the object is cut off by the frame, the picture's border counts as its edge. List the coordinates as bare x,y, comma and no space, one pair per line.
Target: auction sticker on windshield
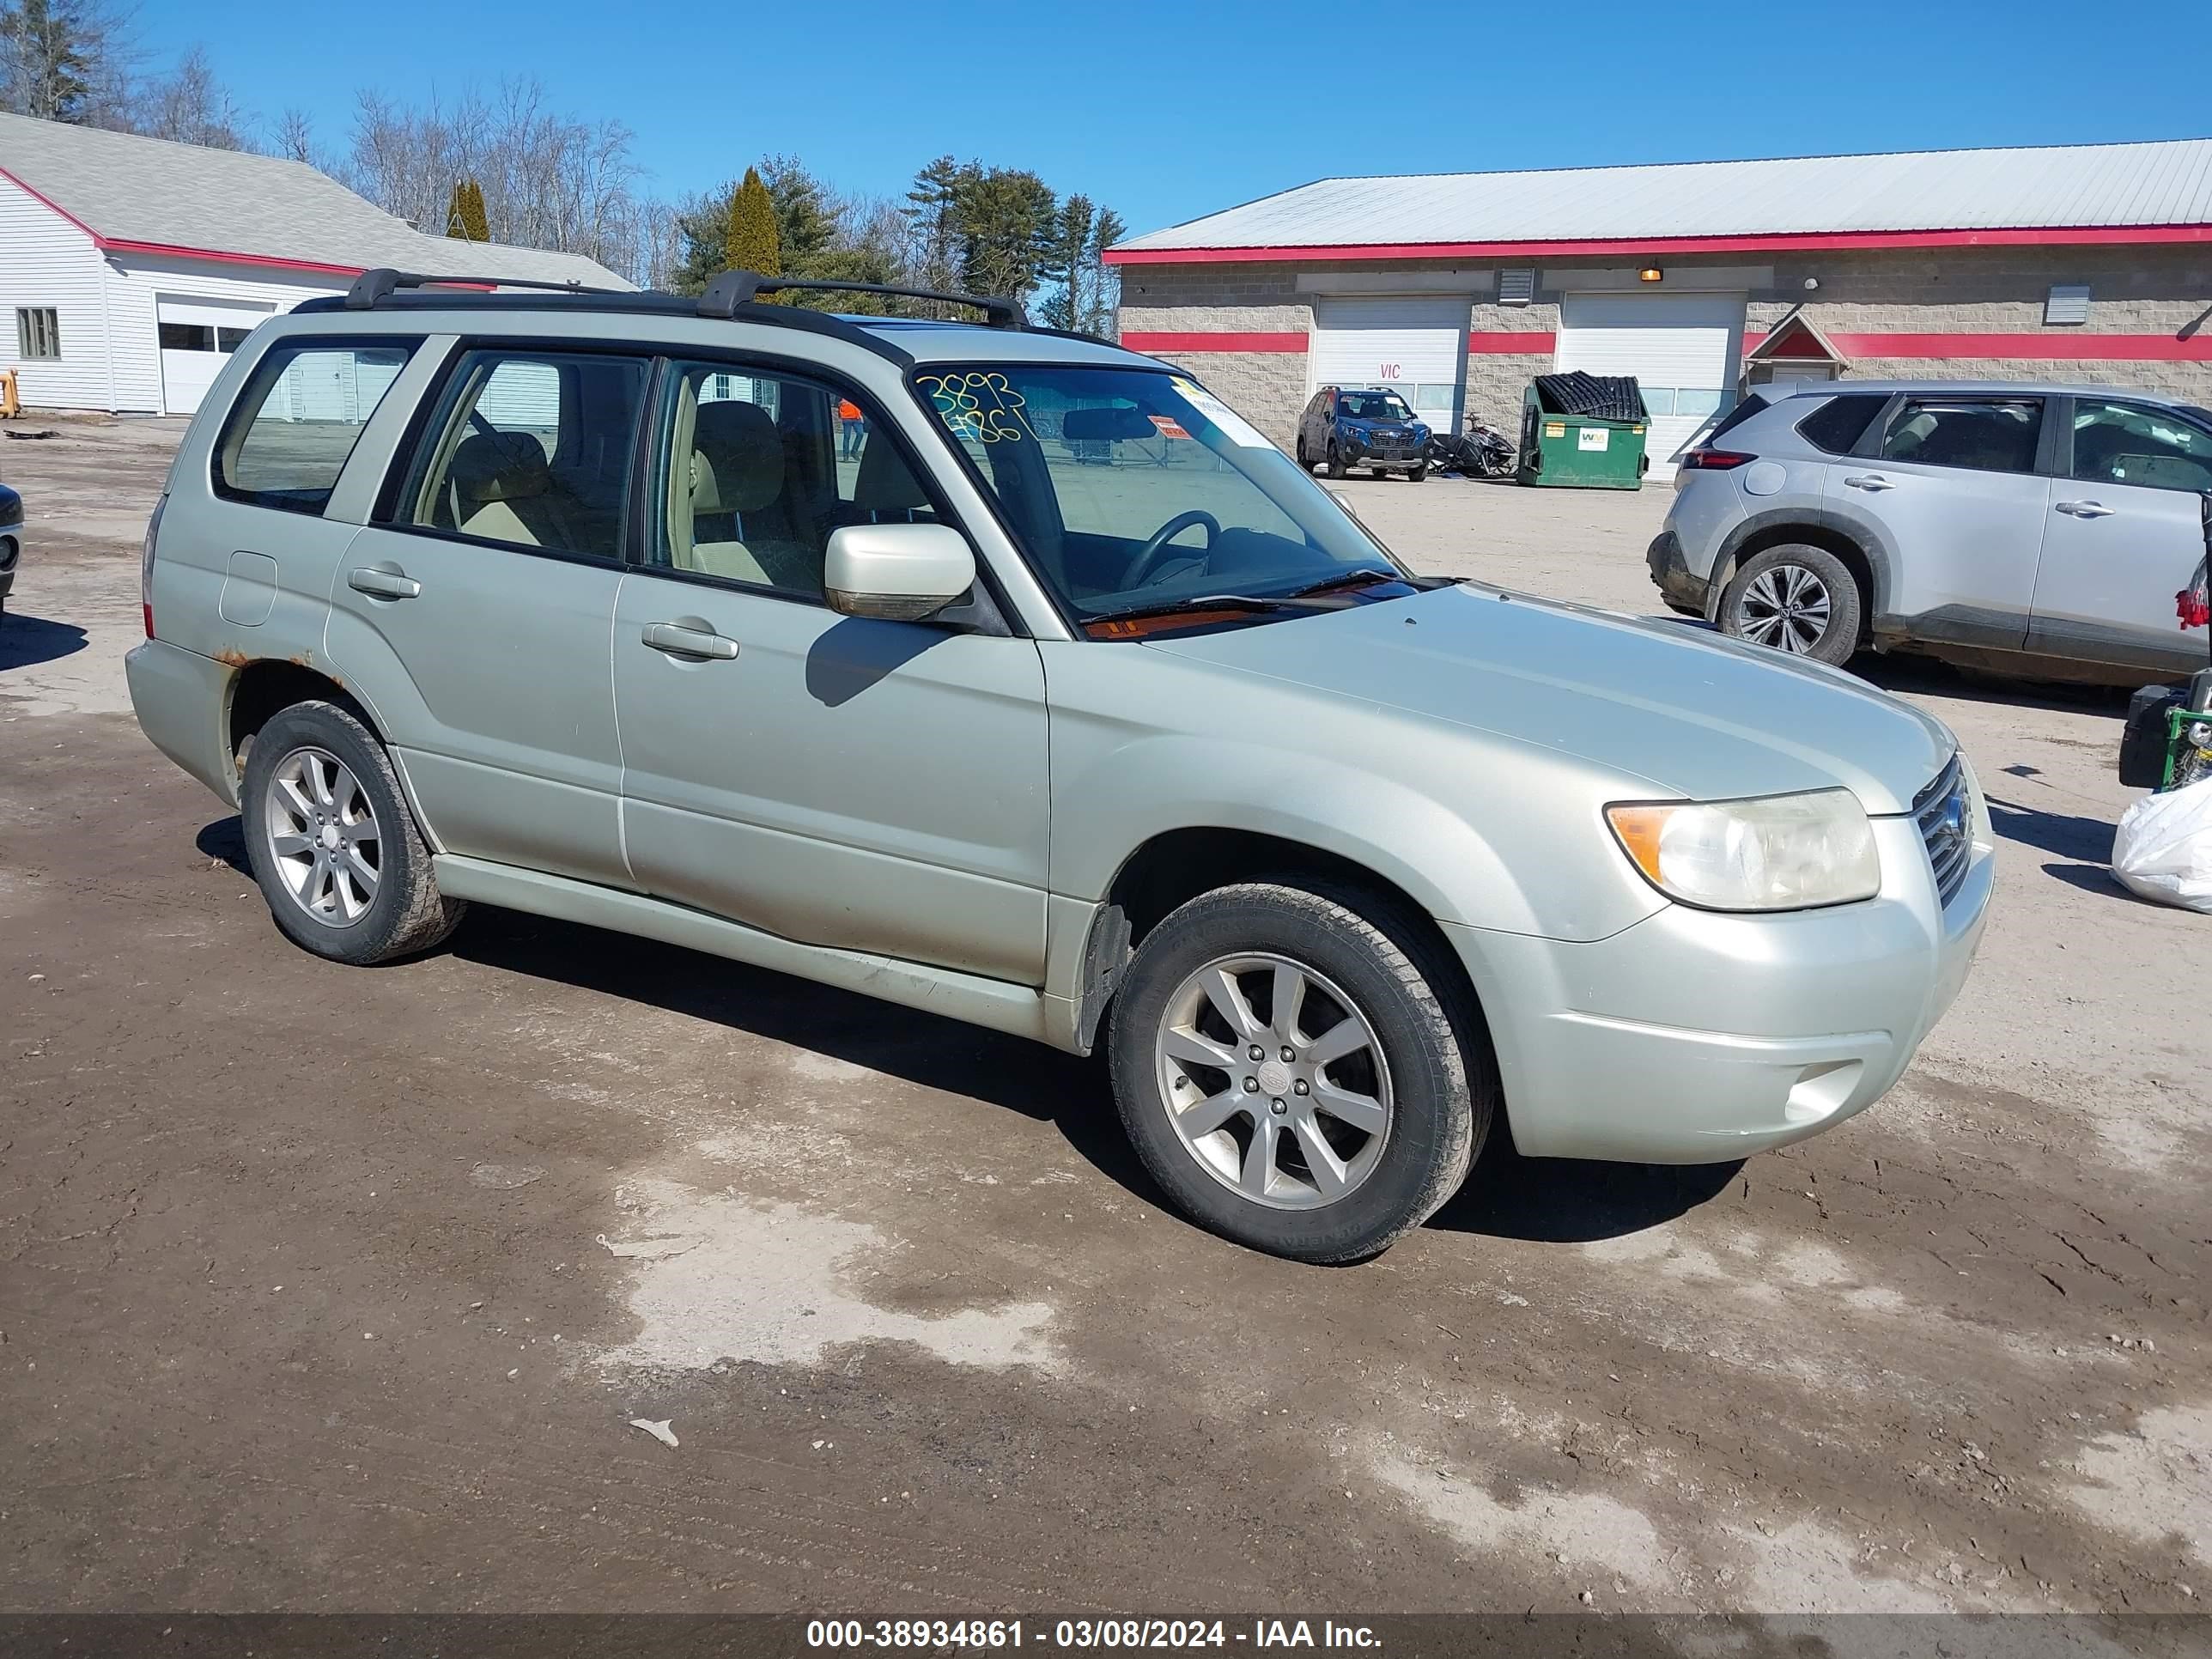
1234,426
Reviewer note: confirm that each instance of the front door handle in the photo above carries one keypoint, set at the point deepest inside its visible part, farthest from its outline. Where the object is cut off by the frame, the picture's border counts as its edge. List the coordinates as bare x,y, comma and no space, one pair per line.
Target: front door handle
384,582
681,641
1873,481
2085,509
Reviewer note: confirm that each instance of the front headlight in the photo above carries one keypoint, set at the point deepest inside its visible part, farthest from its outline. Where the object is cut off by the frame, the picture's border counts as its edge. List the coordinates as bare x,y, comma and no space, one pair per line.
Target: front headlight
1773,852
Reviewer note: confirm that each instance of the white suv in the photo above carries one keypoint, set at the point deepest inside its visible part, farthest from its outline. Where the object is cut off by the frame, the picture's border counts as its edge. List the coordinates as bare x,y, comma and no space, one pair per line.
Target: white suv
2030,529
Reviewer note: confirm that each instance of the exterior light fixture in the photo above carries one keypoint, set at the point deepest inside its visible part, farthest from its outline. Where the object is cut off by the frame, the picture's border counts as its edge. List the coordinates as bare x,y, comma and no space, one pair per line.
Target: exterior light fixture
1650,274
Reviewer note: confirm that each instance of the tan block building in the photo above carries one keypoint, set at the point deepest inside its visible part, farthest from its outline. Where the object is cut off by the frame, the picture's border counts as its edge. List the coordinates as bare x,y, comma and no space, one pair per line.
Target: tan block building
2089,264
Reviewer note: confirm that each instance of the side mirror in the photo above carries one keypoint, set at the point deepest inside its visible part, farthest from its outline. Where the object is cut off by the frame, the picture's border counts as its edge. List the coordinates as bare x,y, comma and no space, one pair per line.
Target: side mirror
895,572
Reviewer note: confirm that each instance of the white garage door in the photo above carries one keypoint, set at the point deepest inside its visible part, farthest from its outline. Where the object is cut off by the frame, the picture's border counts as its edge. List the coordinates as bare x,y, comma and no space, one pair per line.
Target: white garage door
1418,346
196,336
1683,350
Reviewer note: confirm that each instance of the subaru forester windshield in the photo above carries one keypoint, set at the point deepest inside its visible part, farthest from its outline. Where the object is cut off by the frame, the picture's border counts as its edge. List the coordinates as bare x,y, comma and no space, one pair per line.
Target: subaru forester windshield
1373,406
1137,490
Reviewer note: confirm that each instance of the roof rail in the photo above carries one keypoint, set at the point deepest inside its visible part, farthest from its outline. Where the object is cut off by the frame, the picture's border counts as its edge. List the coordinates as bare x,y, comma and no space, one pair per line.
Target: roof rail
733,288
372,287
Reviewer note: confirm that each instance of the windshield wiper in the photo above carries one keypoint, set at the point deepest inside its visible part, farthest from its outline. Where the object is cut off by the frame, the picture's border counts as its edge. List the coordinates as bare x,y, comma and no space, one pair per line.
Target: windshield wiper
1201,601
1345,579
1298,598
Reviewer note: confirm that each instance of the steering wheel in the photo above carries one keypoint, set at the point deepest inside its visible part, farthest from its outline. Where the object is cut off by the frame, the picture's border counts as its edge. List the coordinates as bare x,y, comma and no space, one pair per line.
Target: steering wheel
1152,553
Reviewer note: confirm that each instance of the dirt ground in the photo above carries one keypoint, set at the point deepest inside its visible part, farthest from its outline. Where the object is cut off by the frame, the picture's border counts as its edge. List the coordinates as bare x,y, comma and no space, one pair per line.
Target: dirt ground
335,1289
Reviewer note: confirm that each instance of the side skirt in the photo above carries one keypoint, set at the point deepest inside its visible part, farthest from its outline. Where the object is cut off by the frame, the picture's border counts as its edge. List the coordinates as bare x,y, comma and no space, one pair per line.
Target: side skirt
1018,1010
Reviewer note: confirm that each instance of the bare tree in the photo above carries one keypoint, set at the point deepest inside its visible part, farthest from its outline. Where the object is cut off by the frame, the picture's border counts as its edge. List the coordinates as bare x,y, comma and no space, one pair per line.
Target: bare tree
294,138
191,107
550,179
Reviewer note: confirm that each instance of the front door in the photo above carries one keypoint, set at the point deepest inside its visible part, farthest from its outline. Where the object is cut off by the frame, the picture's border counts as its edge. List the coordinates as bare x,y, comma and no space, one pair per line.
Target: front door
474,617
872,786
2125,531
1947,487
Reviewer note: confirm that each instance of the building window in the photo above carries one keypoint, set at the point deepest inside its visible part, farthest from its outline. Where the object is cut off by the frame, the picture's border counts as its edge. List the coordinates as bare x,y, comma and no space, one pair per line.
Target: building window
2067,304
38,333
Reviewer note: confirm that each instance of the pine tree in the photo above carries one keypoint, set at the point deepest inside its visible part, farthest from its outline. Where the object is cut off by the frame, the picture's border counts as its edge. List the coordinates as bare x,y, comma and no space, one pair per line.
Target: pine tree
46,60
464,213
750,242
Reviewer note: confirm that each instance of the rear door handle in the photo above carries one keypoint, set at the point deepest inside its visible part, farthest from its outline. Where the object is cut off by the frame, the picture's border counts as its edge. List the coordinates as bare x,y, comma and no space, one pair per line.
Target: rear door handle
678,640
1869,481
384,582
2085,509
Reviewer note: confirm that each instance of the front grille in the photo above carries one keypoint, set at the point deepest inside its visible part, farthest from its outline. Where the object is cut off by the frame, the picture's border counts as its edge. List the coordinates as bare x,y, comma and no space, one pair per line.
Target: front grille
1945,813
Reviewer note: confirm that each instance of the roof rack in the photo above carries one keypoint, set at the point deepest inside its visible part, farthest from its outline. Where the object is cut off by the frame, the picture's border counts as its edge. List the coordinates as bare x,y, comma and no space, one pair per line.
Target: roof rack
733,288
382,283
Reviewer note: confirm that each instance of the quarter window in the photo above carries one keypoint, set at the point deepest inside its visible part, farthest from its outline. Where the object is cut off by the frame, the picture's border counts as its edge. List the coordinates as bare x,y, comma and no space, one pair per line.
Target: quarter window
530,449
754,472
2130,444
38,333
1837,425
1979,434
292,429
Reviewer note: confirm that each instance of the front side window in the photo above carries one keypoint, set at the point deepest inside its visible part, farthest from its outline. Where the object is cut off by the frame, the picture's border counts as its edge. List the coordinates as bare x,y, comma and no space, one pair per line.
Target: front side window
530,449
1997,435
292,429
753,472
1134,489
2132,444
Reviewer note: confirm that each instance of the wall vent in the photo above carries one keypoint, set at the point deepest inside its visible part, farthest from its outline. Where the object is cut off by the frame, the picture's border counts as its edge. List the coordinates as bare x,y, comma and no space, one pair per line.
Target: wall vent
2067,304
1515,288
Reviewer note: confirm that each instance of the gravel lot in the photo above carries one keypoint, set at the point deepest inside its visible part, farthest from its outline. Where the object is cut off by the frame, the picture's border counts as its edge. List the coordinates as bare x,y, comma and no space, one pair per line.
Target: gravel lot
328,1288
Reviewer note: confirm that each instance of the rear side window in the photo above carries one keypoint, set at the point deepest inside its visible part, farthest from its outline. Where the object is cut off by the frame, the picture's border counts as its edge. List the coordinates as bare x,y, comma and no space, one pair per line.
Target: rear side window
291,431
531,449
1837,425
1996,434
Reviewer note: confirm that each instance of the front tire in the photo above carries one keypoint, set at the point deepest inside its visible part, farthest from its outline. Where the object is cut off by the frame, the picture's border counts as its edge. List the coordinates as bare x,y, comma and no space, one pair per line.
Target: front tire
328,835
1798,600
1418,475
1336,468
1299,1070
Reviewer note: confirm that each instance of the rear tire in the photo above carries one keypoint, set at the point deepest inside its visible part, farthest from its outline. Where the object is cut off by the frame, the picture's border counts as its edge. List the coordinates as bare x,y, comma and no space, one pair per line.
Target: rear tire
1379,1031
1798,600
330,839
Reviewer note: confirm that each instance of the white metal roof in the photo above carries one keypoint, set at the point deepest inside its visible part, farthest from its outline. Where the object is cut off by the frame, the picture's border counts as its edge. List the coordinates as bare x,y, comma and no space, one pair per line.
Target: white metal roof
128,189
2164,183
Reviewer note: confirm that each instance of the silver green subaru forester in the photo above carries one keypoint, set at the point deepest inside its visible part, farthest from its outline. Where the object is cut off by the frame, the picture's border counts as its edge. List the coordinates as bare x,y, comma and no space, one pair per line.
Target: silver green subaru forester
1007,674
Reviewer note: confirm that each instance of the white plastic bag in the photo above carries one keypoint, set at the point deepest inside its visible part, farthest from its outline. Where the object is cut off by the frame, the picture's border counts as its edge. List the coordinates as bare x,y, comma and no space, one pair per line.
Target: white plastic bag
2163,849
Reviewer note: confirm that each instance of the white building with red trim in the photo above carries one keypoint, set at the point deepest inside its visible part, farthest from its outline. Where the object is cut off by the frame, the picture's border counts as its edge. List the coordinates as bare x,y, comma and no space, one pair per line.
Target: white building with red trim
130,267
2084,263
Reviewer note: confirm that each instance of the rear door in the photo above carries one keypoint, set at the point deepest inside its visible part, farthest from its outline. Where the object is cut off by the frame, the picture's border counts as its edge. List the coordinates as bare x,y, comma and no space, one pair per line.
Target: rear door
2125,531
868,785
474,613
1948,488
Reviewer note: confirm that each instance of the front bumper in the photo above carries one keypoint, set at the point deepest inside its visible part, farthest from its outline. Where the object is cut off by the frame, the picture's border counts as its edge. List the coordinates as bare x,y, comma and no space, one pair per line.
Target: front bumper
1671,573
1695,1037
14,541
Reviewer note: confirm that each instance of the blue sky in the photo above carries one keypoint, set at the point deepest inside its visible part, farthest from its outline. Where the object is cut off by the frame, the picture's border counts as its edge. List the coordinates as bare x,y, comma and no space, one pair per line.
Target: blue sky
1166,111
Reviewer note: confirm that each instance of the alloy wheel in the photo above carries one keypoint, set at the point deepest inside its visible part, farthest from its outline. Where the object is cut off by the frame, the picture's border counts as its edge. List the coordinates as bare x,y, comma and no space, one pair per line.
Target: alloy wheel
1785,606
322,837
1274,1080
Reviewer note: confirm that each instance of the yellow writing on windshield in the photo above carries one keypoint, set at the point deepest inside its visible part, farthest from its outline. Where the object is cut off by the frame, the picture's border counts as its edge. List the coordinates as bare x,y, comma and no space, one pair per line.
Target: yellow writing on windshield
978,405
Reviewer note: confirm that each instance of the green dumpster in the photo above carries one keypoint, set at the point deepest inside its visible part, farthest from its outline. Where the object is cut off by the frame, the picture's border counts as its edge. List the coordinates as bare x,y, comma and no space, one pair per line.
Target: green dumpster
1583,431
